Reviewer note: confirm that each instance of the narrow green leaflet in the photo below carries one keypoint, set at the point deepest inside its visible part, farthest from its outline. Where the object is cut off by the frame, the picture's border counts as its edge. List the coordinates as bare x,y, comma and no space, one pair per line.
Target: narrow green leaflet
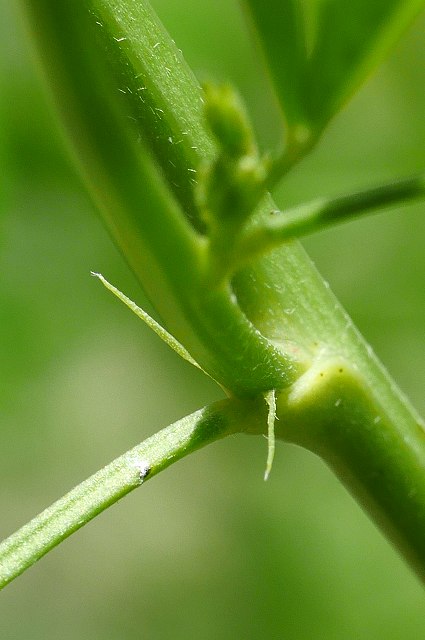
165,336
279,26
321,213
121,476
319,52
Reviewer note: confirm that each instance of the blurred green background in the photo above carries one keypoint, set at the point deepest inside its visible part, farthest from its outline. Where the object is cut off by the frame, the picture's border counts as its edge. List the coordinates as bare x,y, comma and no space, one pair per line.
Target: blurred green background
207,550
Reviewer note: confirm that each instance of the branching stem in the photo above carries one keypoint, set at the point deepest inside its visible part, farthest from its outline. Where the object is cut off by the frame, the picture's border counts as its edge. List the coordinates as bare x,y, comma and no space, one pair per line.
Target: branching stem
276,326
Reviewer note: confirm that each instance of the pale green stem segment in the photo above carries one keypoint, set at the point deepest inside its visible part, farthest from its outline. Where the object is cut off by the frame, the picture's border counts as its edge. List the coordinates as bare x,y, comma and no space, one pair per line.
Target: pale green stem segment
129,471
149,321
314,216
376,451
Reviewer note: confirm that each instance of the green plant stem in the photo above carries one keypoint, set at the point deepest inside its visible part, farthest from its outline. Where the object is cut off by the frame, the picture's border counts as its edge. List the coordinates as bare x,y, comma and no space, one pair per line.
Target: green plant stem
117,479
156,88
321,213
378,453
280,304
133,195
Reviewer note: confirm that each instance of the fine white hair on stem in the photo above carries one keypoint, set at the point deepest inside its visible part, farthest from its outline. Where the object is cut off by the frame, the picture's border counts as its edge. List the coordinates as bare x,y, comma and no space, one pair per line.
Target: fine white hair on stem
270,398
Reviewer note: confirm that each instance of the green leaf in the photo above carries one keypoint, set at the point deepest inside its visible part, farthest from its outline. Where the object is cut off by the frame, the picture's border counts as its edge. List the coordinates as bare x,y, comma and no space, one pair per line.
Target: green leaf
352,39
280,29
319,52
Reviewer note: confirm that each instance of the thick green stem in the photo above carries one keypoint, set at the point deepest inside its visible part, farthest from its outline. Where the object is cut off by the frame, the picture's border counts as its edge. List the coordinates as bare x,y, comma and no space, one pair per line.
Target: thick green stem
377,451
129,471
134,196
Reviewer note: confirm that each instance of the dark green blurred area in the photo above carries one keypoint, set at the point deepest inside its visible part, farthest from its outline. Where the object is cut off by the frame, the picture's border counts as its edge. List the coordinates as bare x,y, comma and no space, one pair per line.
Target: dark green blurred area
207,550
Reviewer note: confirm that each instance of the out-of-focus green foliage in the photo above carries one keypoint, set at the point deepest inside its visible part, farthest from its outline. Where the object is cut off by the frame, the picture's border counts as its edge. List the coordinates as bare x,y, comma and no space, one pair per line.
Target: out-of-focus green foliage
319,52
280,29
217,553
